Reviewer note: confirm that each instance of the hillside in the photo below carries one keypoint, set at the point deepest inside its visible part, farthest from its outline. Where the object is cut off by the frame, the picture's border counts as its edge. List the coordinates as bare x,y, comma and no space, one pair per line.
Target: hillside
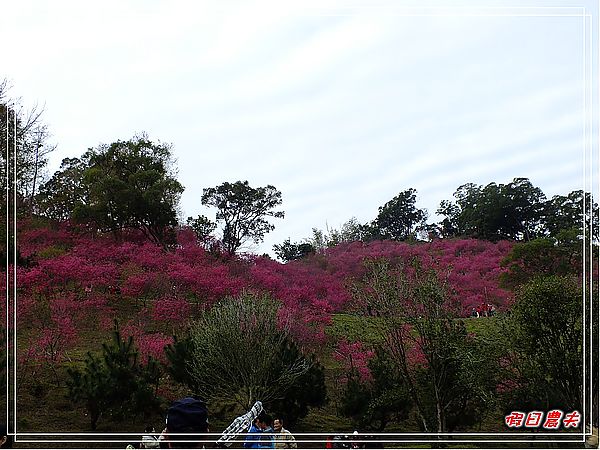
72,287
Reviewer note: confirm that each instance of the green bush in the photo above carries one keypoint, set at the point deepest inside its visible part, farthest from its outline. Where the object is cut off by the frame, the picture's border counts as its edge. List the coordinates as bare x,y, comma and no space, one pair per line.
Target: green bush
115,383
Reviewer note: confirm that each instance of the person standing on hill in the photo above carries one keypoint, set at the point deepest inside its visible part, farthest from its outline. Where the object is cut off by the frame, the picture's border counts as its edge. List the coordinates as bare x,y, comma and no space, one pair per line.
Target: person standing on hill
283,438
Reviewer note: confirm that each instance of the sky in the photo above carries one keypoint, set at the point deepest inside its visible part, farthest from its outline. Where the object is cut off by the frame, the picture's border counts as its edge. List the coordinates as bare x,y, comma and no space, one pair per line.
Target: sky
339,105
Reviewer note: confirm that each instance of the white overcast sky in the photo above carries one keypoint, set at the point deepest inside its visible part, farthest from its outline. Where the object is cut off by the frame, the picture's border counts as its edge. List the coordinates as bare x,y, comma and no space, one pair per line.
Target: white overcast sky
340,105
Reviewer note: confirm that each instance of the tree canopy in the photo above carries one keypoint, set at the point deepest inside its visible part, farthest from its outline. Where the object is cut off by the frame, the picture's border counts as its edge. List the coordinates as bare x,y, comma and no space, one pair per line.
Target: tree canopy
495,212
290,251
127,184
517,210
202,226
65,190
545,337
243,210
399,219
574,211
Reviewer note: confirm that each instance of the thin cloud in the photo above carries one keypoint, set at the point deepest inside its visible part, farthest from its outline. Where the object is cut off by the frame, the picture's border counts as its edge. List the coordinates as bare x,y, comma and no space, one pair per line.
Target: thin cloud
339,107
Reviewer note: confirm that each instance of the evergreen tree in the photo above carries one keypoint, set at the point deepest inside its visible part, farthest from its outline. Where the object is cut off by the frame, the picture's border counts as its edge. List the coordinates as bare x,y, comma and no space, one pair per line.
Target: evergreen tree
115,383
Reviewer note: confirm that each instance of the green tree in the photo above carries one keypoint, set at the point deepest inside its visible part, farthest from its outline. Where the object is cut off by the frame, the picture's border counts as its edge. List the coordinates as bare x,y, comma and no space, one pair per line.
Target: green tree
373,404
399,219
288,251
308,390
542,256
574,211
243,211
65,190
202,226
241,354
545,341
497,211
438,362
131,184
178,354
350,231
115,383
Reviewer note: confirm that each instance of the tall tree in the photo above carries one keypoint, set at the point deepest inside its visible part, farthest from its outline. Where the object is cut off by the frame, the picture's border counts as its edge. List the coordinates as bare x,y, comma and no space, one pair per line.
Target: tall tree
24,145
399,219
243,211
127,184
544,338
527,202
495,212
574,211
444,370
59,196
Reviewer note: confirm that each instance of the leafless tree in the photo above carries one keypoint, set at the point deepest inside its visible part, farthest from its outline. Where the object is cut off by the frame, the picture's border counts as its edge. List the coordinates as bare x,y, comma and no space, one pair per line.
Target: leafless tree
24,145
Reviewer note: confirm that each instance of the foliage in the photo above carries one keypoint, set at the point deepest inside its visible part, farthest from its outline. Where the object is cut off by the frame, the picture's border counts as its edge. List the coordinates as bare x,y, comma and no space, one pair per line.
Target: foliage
242,354
72,283
544,336
399,219
355,357
178,354
307,391
124,185
574,211
542,256
175,286
518,211
308,294
495,212
115,383
288,251
373,403
131,185
243,211
431,350
203,227
65,190
472,267
350,231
